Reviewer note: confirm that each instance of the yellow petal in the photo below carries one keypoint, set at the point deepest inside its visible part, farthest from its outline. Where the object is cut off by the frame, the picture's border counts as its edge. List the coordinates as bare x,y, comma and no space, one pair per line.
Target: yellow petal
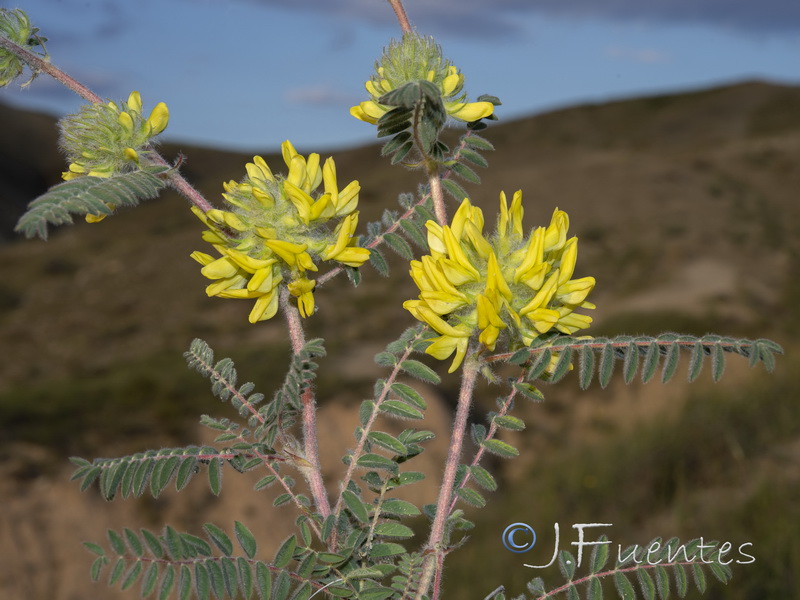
263,198
268,233
305,304
322,209
353,256
313,173
469,111
466,212
532,263
543,319
158,119
368,111
473,233
248,263
202,257
237,293
435,238
264,308
456,252
373,90
436,275
452,83
301,200
488,313
262,165
443,346
495,279
573,322
237,282
131,154
569,255
288,152
221,268
126,121
556,234
305,263
286,250
424,313
457,274
135,102
348,199
443,302
575,291
301,286
297,171
329,180
544,295
358,113
262,281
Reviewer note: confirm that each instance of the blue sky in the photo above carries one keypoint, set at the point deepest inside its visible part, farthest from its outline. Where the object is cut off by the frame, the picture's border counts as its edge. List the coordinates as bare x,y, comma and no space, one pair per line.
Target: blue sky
247,74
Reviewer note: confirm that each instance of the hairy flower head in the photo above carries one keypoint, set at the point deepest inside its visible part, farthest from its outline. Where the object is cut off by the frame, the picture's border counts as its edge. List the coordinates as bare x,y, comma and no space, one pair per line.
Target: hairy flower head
277,229
506,284
16,27
103,140
418,58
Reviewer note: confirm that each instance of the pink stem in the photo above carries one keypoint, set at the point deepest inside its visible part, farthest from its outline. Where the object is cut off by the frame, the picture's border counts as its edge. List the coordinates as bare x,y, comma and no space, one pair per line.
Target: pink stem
310,445
402,17
435,560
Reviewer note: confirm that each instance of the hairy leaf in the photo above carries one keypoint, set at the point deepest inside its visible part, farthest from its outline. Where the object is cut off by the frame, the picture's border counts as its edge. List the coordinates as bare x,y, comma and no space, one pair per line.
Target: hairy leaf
89,196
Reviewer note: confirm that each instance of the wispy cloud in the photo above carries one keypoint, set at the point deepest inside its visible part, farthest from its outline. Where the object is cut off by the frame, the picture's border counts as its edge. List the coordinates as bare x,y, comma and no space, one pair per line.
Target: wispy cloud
320,95
496,18
639,55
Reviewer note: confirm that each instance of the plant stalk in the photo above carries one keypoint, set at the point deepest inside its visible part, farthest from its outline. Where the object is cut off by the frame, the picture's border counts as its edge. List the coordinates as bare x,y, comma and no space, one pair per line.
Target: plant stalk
402,17
313,472
435,182
435,558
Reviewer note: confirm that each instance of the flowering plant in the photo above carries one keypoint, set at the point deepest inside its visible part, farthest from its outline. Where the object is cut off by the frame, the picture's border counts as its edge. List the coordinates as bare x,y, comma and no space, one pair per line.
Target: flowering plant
506,297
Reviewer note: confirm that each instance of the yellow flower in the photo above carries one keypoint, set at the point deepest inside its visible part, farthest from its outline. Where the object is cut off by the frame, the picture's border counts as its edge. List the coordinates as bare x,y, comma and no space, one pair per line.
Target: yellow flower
417,58
103,140
502,287
277,229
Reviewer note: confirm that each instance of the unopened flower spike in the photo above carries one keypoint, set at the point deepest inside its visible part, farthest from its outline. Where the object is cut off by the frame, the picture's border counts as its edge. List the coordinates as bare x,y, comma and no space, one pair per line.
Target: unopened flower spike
505,288
103,140
418,58
277,229
16,27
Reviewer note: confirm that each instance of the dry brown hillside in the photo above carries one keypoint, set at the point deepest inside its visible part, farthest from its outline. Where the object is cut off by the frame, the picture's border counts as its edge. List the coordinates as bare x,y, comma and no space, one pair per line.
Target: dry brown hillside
687,211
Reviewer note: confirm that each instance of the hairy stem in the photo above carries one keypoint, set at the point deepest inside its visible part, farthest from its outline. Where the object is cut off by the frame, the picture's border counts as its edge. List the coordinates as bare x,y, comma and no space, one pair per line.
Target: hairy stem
313,473
38,64
435,559
435,181
506,406
400,13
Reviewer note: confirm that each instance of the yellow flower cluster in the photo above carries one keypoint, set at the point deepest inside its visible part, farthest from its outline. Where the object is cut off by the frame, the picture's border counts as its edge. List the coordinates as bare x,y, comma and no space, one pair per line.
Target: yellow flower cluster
102,139
450,86
277,228
415,58
471,283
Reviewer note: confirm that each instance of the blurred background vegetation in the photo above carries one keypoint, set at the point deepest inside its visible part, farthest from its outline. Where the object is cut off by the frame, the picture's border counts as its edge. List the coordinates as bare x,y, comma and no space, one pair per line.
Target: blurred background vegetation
687,213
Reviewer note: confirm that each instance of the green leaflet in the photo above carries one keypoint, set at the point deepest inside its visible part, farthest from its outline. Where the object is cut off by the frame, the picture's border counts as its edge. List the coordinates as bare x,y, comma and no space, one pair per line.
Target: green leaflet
89,196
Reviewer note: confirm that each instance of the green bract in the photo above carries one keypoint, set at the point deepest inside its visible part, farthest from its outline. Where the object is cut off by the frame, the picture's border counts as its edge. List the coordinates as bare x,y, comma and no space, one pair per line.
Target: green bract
15,25
102,140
